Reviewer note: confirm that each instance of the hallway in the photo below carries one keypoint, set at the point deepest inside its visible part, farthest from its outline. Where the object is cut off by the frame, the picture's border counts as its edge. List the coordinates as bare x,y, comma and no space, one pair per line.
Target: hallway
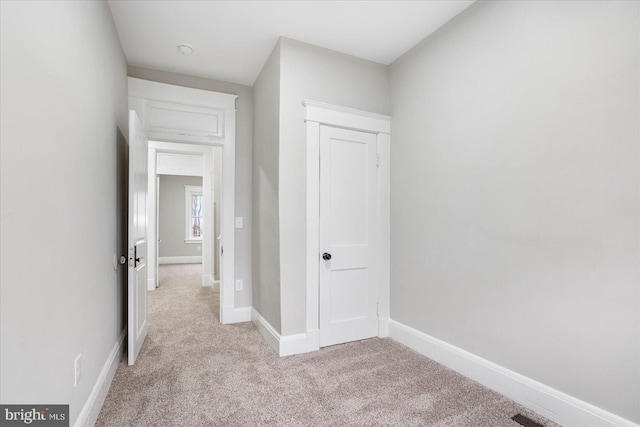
183,367
192,371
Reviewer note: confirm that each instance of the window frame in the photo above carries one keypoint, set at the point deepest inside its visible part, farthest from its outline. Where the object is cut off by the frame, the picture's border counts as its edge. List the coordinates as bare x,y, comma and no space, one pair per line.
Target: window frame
189,192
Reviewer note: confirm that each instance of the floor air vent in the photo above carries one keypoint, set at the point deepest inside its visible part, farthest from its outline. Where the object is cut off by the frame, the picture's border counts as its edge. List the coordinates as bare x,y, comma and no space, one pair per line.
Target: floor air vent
526,422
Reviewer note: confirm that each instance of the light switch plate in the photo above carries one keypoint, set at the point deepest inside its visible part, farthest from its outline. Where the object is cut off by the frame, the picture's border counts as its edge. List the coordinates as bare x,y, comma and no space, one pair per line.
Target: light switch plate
239,222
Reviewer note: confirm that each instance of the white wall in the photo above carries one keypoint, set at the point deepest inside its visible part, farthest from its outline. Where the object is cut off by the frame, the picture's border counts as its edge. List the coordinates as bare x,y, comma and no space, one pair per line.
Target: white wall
62,166
266,236
244,126
515,192
172,217
310,72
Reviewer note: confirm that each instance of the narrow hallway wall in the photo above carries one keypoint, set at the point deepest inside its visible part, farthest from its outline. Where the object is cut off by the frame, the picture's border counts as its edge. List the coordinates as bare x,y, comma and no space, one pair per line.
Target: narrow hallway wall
63,100
515,192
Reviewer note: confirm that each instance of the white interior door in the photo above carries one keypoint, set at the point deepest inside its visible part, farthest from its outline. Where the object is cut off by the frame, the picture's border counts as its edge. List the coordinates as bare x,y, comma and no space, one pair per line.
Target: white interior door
348,236
137,278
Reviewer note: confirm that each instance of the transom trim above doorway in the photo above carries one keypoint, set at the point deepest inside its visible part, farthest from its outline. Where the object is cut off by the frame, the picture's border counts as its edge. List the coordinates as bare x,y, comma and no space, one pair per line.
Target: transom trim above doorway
345,117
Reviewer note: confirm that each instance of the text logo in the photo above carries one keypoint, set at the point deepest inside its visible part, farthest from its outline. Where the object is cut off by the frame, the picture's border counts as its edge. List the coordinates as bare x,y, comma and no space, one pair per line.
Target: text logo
34,415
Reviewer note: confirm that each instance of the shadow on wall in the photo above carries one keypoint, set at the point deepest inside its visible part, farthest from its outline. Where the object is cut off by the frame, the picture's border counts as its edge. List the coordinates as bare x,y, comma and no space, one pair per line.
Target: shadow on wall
122,190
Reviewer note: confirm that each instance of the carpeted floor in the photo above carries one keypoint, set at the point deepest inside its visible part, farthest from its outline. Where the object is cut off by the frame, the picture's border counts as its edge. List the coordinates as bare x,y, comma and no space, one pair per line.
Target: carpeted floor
192,371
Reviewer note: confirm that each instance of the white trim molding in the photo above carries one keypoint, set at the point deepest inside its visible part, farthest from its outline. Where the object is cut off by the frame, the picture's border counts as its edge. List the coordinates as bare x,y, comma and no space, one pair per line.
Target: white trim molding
91,409
180,259
179,164
322,114
268,332
544,400
345,117
202,153
144,94
283,345
207,281
237,315
383,327
152,220
163,92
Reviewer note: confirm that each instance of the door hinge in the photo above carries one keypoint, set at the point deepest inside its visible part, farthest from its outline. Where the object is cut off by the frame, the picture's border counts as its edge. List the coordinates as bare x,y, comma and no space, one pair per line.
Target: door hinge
378,160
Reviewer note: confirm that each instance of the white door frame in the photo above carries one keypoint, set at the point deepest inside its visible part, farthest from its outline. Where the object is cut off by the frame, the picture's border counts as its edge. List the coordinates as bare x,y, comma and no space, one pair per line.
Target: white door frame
205,153
144,92
318,113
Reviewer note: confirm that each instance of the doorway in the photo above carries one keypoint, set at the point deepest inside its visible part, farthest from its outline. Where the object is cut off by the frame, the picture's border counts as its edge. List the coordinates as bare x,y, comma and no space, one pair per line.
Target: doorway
365,138
192,122
186,174
187,226
180,220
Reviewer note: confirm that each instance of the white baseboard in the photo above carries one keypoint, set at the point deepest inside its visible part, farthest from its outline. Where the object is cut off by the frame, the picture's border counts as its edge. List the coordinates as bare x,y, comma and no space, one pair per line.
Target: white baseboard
236,315
180,260
216,286
283,345
270,335
151,283
293,344
91,409
207,280
383,327
546,401
313,340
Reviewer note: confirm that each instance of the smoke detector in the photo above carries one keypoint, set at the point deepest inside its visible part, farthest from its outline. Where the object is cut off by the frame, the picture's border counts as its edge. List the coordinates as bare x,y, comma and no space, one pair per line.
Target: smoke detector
185,49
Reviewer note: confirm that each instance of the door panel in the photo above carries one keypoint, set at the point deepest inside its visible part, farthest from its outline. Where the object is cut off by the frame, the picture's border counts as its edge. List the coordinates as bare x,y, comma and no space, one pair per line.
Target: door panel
348,224
137,277
348,189
350,299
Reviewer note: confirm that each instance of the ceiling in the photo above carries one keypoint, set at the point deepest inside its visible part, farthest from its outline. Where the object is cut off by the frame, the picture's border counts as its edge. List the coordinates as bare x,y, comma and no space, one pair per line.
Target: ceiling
233,39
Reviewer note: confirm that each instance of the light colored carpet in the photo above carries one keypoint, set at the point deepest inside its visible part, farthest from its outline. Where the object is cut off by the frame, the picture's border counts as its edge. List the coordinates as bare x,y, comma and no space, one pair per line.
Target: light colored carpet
192,371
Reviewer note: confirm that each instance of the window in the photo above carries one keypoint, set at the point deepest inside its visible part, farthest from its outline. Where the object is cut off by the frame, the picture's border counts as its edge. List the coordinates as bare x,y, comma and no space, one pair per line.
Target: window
194,220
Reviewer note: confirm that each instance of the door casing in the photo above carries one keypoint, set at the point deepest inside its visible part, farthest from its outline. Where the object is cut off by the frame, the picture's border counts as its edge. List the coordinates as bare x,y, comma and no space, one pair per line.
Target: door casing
317,114
142,94
205,153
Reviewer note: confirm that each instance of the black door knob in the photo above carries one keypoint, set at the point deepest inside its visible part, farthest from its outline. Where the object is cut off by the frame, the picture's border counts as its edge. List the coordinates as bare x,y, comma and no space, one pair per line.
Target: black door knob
326,256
